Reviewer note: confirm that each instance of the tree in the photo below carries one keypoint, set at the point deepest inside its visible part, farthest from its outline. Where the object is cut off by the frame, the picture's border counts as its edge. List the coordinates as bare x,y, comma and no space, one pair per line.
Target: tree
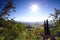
56,19
56,14
10,29
5,9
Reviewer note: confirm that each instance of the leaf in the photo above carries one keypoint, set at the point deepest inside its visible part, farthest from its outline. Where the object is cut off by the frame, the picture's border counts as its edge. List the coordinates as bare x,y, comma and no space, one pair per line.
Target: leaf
51,14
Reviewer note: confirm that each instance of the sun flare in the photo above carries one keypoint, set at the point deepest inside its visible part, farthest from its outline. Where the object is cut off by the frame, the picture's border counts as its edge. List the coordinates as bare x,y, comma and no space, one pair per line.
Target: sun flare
34,8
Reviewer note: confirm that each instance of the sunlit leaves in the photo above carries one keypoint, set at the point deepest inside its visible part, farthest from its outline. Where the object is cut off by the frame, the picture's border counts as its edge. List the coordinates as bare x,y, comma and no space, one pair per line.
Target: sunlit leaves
11,30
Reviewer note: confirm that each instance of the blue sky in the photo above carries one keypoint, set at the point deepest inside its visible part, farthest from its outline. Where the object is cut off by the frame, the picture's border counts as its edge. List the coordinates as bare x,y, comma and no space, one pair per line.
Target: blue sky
23,12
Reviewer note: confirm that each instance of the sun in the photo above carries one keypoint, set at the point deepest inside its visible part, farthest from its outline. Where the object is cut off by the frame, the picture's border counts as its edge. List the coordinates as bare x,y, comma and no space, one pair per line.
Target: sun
34,8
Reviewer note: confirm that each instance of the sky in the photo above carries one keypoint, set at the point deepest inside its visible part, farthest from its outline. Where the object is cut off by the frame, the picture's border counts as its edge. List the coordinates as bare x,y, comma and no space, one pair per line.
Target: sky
34,10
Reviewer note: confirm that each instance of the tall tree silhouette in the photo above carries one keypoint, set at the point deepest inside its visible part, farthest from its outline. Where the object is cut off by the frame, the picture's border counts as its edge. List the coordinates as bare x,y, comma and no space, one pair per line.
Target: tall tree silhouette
46,30
46,27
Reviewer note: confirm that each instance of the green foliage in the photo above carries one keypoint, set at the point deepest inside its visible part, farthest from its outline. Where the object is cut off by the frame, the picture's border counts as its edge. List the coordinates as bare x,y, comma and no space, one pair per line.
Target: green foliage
56,29
10,30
